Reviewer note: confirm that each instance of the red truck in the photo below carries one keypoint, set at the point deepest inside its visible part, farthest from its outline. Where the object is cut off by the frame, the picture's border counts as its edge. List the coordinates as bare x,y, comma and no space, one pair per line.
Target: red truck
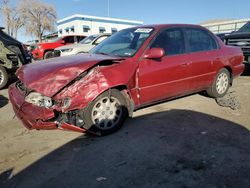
45,50
133,68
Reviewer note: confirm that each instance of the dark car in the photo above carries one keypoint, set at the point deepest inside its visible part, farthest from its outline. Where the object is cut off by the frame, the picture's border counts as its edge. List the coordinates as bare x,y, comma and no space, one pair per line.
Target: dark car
133,68
241,38
12,56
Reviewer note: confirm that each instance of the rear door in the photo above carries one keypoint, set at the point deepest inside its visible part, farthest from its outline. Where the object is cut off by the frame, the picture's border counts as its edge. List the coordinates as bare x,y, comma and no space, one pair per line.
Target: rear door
204,54
168,76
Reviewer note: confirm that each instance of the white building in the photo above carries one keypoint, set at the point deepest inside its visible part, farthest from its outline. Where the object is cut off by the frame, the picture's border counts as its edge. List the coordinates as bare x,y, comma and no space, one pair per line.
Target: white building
88,25
225,26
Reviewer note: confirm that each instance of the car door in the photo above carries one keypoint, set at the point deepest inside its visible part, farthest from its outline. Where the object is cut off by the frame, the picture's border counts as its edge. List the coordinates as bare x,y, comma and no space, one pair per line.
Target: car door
204,53
168,76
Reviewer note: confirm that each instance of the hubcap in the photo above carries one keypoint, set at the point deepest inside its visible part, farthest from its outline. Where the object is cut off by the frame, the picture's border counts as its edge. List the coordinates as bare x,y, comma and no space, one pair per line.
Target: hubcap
1,77
222,83
106,113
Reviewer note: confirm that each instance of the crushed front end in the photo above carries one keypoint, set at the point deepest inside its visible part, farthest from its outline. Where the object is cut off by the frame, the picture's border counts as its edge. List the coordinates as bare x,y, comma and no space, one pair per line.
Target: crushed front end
40,113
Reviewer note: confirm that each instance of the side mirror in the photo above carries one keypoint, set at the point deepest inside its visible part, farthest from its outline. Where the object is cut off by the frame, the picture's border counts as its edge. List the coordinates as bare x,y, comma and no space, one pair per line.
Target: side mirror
62,42
154,53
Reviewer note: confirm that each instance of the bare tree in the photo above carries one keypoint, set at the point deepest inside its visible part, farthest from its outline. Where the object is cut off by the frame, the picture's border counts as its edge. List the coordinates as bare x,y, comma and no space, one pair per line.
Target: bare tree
6,12
12,19
38,17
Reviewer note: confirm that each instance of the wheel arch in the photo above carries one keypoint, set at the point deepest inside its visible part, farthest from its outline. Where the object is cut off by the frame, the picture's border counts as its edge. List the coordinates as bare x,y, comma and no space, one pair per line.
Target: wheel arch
44,52
229,69
125,92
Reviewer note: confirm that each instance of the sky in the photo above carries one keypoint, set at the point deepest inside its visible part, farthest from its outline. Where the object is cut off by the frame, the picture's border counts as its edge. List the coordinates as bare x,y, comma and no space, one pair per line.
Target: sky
152,11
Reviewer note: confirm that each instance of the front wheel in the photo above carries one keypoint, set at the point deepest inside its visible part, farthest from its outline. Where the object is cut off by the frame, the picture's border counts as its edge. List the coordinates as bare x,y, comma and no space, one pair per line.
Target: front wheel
3,77
106,113
220,85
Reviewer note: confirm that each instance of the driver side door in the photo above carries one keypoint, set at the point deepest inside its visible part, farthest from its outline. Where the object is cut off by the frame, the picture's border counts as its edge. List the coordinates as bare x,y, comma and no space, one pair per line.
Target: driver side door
168,76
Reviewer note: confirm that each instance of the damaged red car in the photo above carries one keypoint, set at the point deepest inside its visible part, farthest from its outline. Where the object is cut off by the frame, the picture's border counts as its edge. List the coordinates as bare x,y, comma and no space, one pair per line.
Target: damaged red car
134,68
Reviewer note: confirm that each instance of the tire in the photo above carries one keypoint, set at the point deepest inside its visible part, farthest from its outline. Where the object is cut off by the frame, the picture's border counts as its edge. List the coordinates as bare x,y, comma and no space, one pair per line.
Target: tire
104,117
220,85
48,55
3,77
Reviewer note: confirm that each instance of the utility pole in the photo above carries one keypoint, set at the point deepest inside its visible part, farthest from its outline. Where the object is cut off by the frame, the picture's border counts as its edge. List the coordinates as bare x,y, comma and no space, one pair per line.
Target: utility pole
108,8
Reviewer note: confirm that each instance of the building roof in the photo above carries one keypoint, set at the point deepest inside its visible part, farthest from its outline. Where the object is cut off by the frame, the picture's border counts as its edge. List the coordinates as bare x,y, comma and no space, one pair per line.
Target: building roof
225,21
99,19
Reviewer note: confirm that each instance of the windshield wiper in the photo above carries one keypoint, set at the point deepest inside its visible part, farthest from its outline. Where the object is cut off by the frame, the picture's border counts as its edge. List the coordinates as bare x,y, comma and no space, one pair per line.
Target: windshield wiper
102,53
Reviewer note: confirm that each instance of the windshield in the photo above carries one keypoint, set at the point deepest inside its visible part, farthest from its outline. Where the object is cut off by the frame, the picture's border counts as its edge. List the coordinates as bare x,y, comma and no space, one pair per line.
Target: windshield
88,39
245,28
124,43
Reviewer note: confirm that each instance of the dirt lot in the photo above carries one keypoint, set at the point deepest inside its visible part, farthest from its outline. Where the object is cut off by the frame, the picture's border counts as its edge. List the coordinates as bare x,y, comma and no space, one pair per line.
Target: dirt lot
189,142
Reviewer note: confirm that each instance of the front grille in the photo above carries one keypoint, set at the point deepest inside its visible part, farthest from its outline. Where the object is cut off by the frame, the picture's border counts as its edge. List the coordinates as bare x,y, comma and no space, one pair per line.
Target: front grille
243,43
20,86
246,50
57,53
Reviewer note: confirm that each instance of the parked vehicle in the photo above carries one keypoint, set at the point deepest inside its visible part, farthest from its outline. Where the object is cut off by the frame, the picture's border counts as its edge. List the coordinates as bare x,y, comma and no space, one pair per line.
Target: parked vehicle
84,46
241,38
12,56
222,35
133,68
45,50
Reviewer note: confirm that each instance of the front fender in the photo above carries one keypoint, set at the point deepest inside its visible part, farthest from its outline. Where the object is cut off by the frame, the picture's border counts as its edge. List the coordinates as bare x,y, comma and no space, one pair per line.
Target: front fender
98,80
83,91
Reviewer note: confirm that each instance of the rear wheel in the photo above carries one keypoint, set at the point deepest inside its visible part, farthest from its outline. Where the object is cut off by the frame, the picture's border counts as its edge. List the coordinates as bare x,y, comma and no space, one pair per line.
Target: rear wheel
48,54
220,85
3,77
106,113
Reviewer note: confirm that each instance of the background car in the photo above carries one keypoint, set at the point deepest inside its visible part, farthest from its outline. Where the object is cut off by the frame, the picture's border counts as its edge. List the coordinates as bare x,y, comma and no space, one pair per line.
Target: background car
241,38
45,50
12,56
84,46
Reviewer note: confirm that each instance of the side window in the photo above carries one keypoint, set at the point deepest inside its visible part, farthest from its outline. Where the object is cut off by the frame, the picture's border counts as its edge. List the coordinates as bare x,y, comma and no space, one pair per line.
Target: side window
199,40
69,39
79,38
171,40
100,39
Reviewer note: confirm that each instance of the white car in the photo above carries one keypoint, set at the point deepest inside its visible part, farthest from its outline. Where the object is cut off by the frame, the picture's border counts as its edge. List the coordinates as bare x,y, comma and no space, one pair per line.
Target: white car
84,46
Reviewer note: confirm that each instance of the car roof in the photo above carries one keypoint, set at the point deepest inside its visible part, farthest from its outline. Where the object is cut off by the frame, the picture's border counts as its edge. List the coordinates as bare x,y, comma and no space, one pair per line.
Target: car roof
159,26
73,36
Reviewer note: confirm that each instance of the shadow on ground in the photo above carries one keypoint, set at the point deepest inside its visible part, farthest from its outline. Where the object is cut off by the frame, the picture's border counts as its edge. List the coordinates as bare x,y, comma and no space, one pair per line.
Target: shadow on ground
247,69
3,101
176,148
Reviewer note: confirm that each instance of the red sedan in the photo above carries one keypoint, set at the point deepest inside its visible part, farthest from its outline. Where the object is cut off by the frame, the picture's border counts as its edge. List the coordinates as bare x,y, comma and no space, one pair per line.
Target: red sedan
135,67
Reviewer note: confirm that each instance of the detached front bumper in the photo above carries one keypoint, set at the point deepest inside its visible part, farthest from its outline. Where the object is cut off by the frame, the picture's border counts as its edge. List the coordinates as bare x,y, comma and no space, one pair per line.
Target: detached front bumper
34,117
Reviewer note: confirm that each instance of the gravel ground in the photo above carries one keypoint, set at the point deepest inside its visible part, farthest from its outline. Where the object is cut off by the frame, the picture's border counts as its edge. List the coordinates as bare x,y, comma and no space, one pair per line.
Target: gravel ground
188,142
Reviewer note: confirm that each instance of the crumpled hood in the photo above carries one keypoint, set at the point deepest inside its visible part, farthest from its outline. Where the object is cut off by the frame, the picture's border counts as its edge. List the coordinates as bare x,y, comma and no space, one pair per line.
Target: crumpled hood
49,76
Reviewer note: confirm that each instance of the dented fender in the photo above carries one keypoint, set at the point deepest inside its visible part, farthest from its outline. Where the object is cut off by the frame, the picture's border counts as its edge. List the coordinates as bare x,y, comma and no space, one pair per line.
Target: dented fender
96,81
84,90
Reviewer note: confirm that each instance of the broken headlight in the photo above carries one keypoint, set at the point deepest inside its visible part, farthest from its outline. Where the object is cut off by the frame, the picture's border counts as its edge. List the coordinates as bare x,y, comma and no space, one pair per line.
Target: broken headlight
39,100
